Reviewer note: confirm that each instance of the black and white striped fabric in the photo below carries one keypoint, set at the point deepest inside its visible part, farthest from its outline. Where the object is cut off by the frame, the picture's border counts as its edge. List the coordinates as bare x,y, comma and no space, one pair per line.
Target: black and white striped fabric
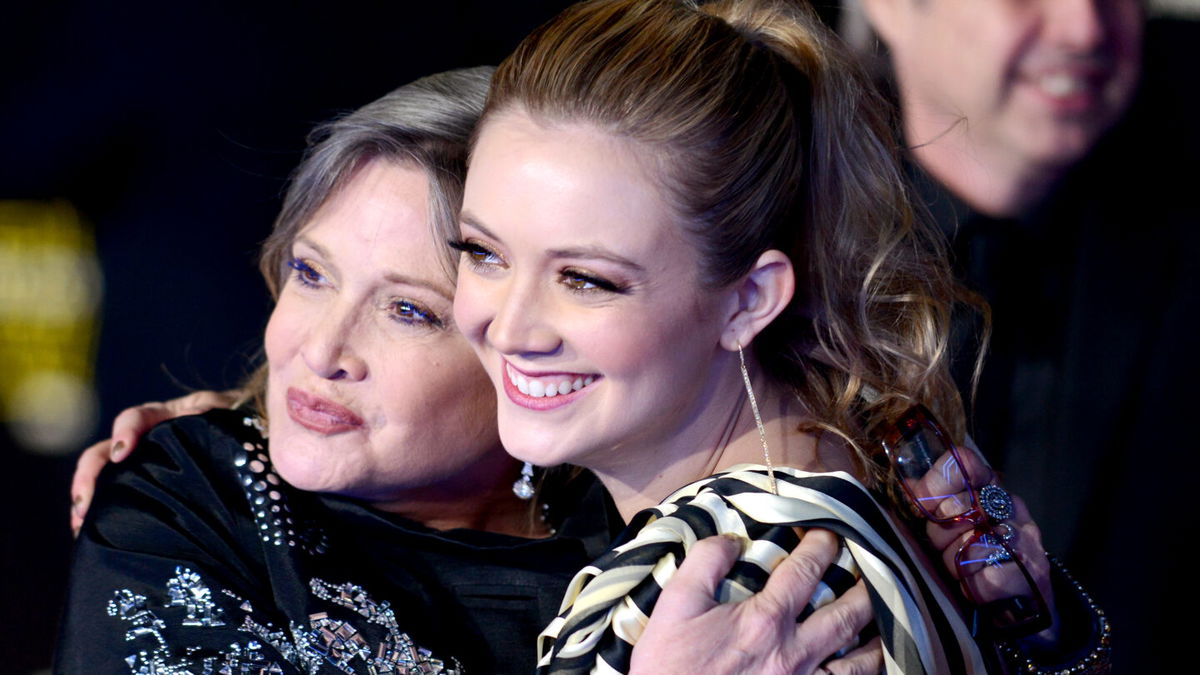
608,603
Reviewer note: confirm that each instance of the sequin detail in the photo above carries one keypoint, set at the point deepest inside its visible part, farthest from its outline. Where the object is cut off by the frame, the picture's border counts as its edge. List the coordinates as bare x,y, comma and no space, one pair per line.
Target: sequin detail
263,489
186,590
396,654
326,640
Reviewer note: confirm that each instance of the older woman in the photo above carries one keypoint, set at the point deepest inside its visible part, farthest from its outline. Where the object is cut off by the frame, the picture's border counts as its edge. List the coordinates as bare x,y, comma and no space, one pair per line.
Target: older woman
690,265
379,531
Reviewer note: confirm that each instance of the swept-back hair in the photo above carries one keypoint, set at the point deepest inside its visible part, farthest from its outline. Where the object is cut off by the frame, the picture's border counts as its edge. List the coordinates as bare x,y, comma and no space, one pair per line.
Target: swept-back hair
426,124
764,134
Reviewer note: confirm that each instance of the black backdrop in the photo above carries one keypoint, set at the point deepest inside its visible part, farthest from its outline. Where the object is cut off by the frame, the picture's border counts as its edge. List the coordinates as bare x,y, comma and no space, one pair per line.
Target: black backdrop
171,127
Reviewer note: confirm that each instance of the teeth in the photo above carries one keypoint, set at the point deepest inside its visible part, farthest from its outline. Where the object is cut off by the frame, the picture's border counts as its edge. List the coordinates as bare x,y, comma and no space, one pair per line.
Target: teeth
1061,84
539,389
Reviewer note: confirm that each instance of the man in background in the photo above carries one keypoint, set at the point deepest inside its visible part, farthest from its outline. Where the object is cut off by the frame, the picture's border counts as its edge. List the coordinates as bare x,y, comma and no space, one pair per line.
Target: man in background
1057,150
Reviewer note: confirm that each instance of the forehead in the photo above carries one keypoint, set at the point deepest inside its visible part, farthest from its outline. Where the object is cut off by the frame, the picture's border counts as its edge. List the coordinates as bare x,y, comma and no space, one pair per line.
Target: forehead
553,180
380,214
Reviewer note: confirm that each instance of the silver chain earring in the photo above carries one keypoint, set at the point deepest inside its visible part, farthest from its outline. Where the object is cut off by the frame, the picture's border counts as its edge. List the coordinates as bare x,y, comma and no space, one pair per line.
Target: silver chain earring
762,432
523,487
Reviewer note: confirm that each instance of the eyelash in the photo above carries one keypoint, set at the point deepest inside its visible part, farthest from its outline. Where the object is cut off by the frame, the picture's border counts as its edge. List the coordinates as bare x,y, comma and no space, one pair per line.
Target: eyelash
475,252
402,311
304,273
576,281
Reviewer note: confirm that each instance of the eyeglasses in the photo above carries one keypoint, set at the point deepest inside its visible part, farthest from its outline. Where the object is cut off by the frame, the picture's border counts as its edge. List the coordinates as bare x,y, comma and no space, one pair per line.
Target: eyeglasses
937,480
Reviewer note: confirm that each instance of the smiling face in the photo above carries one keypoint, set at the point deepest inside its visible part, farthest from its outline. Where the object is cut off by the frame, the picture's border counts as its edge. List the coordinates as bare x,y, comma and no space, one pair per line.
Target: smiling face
1039,79
372,392
575,276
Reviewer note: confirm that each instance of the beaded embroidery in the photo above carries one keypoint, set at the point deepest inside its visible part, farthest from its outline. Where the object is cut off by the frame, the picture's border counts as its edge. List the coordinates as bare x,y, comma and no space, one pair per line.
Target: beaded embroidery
261,485
186,590
326,640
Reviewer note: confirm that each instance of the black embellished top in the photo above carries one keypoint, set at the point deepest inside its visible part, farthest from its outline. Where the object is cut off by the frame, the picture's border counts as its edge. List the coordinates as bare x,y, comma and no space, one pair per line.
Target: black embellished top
197,558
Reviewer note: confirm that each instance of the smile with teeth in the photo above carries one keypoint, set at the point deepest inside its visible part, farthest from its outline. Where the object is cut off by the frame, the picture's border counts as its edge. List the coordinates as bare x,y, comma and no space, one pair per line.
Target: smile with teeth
1062,84
547,387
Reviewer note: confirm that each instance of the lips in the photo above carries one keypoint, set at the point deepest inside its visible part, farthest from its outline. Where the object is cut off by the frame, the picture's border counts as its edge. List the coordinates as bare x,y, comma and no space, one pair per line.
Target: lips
544,391
320,415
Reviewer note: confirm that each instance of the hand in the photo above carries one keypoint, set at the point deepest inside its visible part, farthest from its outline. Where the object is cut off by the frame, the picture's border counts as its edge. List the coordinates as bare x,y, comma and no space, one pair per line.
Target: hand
991,582
128,427
688,627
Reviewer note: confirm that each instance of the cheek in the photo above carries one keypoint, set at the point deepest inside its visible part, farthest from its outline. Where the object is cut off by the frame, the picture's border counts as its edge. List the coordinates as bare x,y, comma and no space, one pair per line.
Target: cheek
441,390
283,333
471,308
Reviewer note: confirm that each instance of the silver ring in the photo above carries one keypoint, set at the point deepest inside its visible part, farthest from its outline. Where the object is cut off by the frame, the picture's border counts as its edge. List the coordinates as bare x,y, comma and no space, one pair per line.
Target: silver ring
996,502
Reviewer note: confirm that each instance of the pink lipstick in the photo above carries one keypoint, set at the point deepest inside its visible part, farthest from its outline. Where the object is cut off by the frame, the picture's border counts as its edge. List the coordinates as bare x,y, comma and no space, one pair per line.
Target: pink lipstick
538,394
320,415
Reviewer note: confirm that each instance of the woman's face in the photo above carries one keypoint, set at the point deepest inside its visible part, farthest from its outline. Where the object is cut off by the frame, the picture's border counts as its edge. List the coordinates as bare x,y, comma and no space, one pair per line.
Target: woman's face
576,277
373,393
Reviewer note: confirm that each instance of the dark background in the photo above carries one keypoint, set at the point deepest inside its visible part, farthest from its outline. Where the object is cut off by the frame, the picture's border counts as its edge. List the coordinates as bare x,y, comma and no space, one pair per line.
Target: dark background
172,129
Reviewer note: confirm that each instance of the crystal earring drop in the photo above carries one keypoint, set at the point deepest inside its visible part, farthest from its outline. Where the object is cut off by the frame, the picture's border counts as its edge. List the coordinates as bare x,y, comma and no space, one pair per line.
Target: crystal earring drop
523,487
762,432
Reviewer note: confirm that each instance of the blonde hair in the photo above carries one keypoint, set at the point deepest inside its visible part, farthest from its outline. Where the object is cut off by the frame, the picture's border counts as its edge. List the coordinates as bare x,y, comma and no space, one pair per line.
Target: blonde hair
767,136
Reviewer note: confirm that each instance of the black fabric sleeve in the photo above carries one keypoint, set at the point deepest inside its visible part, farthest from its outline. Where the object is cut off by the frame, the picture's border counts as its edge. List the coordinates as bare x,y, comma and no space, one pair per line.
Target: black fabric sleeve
168,571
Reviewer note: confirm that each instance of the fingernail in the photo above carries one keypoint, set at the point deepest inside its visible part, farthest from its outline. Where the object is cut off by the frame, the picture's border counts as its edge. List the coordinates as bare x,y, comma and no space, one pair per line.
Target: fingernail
118,451
737,540
76,500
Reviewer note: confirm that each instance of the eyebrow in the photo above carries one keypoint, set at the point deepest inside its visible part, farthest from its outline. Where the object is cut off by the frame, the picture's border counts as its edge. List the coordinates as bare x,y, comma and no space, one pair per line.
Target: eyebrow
586,252
390,277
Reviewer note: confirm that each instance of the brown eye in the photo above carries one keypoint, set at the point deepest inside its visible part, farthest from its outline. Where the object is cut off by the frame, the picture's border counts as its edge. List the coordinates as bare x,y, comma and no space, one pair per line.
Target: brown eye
408,312
304,272
581,281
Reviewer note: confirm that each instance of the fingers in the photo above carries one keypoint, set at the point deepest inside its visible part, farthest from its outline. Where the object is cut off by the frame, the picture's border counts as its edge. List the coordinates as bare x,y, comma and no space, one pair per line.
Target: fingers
129,426
201,401
865,660
792,582
83,483
836,625
692,589
133,422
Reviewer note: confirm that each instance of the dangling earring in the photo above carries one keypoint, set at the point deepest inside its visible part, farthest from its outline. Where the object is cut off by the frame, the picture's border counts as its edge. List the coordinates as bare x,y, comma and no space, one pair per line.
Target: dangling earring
523,487
762,432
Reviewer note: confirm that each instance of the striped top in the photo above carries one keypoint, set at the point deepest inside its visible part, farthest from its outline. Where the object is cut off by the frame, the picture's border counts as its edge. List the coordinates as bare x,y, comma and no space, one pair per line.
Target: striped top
608,603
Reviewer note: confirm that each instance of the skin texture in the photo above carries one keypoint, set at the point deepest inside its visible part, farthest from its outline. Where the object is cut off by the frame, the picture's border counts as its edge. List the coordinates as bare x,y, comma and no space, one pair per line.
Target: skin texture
575,267
1000,96
759,635
363,322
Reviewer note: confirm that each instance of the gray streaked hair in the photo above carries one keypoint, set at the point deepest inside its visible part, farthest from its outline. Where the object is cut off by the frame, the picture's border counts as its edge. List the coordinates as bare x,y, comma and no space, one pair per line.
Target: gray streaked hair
426,123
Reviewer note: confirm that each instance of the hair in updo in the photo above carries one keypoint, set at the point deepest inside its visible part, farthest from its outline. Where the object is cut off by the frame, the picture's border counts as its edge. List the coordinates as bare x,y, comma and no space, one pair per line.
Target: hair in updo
764,134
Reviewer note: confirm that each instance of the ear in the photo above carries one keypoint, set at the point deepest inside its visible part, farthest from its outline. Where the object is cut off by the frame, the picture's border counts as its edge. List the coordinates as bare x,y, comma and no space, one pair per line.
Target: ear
761,296
887,17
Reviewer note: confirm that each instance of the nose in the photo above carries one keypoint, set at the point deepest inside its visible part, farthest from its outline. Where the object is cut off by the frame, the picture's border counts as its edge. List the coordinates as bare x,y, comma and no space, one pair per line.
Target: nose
1078,25
522,323
329,349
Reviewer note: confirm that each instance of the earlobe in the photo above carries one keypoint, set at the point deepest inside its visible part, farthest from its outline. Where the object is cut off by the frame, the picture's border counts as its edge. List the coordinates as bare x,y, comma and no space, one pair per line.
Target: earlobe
762,295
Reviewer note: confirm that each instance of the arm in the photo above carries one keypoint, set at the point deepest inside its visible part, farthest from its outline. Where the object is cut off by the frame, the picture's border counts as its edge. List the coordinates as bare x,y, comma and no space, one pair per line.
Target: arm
127,428
760,635
165,563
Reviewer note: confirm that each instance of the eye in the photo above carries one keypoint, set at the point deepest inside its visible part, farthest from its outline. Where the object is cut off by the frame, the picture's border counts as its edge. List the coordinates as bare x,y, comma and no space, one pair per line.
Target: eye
409,312
305,272
477,254
583,282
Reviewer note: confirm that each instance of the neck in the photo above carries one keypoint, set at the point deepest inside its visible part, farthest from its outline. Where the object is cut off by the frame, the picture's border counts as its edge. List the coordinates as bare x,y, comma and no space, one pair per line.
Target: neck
988,176
722,434
485,505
